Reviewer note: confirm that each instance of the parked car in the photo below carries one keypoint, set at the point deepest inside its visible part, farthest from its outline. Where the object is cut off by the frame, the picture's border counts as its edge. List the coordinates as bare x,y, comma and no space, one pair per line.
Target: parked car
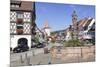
10,48
40,45
33,46
19,49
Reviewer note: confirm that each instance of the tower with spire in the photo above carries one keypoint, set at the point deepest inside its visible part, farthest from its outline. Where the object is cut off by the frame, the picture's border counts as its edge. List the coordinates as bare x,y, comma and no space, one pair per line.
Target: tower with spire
75,24
46,29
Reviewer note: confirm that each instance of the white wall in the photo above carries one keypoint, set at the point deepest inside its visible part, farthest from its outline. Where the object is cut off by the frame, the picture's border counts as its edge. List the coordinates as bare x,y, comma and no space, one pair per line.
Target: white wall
68,36
14,40
47,31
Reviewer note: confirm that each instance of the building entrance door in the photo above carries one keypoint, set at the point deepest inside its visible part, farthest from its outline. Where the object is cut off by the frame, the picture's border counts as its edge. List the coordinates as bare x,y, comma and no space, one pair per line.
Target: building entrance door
23,42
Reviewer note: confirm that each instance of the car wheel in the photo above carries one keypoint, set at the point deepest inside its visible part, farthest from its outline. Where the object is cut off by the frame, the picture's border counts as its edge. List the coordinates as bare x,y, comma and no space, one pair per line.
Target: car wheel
21,50
15,51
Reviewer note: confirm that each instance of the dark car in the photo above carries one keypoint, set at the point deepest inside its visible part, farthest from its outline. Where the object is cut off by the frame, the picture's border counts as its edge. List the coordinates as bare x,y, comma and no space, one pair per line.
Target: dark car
40,45
10,48
22,46
33,46
19,49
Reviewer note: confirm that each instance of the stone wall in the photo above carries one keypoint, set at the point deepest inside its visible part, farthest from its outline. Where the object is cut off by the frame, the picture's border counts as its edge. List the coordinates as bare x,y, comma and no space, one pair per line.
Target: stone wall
73,52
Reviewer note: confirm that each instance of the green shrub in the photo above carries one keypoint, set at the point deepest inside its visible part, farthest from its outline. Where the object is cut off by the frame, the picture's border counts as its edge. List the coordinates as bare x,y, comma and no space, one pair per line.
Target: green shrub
53,40
73,43
36,40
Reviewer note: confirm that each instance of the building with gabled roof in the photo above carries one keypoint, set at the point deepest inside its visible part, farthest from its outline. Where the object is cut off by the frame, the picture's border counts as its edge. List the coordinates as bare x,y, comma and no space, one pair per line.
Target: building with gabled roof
87,28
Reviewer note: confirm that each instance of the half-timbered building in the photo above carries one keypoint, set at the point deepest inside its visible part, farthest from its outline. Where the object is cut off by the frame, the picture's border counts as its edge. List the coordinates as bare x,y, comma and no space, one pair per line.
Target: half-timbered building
22,22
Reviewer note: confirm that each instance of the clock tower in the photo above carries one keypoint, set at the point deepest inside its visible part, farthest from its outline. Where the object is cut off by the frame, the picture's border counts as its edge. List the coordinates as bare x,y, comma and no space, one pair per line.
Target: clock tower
74,24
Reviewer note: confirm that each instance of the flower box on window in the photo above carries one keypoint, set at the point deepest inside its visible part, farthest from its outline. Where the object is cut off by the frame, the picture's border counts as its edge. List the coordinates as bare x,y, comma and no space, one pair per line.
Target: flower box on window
19,20
19,31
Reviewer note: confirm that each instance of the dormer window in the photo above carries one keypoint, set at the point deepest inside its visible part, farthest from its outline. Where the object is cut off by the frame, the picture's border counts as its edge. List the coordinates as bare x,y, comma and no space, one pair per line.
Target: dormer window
15,6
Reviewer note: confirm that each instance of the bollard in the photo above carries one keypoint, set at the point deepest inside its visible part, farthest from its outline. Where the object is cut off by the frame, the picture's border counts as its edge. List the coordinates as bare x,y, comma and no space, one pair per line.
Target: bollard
21,59
81,53
26,55
27,62
27,59
79,57
33,53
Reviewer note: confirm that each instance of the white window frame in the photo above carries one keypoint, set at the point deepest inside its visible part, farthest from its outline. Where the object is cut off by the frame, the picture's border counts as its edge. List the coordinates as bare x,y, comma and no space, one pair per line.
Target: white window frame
25,17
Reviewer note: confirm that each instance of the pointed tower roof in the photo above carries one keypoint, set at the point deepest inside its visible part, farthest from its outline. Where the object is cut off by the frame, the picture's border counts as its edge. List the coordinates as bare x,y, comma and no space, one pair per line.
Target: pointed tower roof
46,25
74,13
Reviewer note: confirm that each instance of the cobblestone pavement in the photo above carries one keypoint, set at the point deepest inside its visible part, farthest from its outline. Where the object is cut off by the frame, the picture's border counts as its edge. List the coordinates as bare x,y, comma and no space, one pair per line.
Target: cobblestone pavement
37,57
41,59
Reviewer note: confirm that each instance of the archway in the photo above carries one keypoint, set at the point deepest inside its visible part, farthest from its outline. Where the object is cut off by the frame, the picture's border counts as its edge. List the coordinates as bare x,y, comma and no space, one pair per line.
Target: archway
22,42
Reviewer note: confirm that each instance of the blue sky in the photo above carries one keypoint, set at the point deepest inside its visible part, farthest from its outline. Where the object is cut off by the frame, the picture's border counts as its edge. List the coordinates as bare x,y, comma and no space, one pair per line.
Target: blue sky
59,15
